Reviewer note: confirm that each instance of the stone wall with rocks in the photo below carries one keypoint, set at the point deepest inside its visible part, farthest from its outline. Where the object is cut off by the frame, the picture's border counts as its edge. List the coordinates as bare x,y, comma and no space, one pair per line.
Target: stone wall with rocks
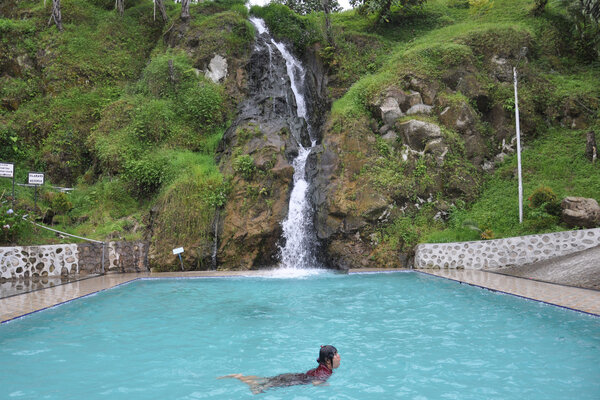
515,251
71,259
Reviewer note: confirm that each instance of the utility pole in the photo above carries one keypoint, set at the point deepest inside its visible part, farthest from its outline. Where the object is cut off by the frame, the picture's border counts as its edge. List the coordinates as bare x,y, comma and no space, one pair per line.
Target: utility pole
518,148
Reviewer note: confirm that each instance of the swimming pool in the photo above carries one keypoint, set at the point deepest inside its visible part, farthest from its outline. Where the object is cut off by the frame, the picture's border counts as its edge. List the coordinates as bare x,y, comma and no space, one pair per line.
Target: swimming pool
400,335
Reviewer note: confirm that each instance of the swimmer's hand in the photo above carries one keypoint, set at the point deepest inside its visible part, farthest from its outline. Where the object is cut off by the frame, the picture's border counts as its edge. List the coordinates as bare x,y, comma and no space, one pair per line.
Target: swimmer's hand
319,383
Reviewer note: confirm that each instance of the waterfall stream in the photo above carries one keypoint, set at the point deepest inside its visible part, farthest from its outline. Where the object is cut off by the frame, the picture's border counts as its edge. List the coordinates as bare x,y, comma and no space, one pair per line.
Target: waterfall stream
299,250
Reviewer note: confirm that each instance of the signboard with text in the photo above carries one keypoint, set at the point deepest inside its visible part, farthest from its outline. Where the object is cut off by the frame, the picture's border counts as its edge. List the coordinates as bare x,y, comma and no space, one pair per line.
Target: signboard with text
178,250
36,178
7,170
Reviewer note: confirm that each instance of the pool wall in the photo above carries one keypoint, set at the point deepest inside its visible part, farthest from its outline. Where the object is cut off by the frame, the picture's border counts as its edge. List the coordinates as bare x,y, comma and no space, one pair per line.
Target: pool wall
515,251
22,262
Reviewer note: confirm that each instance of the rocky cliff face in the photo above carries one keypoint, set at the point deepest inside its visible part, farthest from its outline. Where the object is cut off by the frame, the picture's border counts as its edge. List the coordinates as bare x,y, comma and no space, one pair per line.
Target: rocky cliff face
257,151
425,141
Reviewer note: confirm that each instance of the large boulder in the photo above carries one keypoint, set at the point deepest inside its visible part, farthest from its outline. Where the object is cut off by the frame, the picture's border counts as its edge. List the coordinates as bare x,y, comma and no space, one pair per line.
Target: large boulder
580,212
416,134
427,90
459,117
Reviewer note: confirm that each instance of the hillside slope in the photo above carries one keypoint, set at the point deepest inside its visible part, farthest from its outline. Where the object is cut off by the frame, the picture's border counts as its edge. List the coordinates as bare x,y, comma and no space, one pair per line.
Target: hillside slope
417,133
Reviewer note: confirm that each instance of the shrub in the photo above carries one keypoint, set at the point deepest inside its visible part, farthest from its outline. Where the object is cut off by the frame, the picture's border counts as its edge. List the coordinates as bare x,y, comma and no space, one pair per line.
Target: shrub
544,197
11,225
61,203
244,165
145,175
203,105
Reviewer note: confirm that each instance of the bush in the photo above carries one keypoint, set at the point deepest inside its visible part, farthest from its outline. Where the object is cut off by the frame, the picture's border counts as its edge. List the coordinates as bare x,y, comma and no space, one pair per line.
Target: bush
152,120
61,203
145,175
244,165
203,105
544,197
11,225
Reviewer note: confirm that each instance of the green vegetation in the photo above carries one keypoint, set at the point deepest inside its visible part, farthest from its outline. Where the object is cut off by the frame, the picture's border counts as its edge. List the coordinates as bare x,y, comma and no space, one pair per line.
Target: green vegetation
107,108
118,108
283,23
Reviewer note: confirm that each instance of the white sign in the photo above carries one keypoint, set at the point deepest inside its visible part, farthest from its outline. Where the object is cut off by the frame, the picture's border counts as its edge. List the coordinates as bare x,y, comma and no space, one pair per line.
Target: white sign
36,178
178,250
7,170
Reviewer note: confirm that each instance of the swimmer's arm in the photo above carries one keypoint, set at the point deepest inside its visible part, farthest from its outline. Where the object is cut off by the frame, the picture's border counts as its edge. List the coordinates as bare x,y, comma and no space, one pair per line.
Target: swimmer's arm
318,383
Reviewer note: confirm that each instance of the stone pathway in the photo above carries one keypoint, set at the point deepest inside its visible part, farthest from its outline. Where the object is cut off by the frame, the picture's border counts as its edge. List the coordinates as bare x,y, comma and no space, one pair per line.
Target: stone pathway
578,299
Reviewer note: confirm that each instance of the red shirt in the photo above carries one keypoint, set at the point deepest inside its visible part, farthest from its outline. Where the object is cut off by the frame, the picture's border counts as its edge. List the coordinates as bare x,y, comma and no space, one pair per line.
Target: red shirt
321,372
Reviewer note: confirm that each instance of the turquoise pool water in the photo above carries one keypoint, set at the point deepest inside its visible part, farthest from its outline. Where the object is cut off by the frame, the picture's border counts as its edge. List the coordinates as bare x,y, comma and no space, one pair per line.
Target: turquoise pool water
400,335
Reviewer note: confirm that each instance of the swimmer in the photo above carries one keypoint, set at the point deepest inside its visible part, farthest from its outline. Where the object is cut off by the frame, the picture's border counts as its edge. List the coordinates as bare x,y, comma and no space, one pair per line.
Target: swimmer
329,359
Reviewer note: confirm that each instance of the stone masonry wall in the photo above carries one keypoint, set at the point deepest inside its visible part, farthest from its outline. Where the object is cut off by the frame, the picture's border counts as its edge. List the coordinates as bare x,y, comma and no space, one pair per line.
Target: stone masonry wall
70,259
34,261
513,251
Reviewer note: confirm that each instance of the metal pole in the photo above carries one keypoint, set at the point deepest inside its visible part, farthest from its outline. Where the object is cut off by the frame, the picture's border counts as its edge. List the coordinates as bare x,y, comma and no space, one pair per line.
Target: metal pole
13,196
35,198
181,261
518,149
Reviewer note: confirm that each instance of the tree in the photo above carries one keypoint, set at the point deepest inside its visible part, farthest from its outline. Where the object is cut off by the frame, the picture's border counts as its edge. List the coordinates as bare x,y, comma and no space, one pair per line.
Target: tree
584,16
383,8
120,6
161,8
56,15
326,11
307,6
185,10
591,8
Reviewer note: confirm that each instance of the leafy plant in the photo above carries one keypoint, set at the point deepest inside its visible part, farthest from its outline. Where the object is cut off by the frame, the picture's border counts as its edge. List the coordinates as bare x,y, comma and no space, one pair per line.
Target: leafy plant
61,203
145,175
11,225
244,165
544,197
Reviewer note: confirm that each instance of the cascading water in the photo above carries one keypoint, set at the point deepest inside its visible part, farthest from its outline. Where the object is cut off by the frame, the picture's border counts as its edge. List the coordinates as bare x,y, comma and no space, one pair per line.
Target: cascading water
299,249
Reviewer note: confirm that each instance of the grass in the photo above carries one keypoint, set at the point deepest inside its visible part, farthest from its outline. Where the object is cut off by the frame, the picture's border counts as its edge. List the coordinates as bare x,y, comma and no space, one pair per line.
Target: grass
555,160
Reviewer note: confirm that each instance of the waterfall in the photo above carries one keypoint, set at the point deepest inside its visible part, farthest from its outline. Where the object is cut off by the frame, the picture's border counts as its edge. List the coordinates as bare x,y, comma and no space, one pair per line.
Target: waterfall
299,249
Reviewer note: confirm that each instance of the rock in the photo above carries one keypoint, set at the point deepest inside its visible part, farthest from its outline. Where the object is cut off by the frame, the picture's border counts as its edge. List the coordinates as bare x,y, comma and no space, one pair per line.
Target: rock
391,137
438,149
459,117
428,90
501,69
412,99
217,69
419,109
416,134
475,149
591,149
580,212
390,111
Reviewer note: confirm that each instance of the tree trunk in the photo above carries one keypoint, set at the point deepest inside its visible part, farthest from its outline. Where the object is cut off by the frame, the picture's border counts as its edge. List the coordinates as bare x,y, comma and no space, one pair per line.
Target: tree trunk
172,77
56,16
120,6
327,12
591,149
185,10
161,8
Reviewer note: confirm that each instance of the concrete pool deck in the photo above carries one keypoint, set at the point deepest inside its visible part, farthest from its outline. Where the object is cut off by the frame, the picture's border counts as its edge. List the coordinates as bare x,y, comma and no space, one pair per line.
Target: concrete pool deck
583,300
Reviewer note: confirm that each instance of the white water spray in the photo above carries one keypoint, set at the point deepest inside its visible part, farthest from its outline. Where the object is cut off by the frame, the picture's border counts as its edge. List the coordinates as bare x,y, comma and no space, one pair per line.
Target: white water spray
299,249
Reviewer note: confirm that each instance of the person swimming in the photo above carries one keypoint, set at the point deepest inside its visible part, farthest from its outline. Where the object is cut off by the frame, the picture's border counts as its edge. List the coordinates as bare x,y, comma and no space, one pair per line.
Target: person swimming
329,359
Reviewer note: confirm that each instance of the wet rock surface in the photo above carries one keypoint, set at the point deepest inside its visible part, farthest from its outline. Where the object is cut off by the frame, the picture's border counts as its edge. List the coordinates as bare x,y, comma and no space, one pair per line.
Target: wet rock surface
265,132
